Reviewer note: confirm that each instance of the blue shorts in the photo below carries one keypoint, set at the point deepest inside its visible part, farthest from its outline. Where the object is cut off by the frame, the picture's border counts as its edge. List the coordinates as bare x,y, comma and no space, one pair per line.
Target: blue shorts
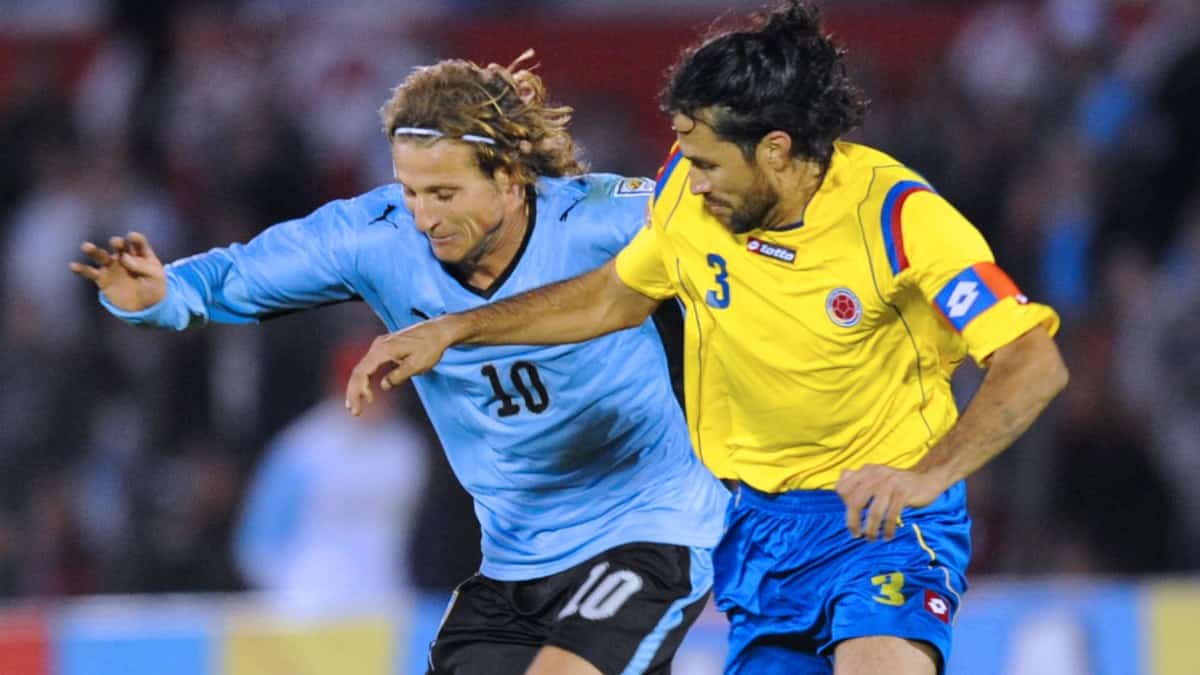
794,583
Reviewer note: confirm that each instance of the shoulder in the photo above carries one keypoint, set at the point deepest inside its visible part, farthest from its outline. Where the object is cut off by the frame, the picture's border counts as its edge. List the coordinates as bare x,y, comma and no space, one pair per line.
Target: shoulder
596,190
873,173
382,204
871,184
378,215
596,202
635,188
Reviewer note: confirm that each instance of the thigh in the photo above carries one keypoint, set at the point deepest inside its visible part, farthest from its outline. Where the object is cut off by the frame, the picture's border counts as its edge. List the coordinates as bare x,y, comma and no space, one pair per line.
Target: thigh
553,660
881,654
482,632
627,610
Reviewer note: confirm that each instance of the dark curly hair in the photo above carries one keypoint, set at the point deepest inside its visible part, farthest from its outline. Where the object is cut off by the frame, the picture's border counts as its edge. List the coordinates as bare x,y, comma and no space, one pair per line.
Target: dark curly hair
781,73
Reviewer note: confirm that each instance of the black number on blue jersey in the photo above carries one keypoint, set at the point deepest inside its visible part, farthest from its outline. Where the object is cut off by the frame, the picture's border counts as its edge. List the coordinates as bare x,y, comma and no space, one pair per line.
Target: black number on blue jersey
536,400
528,383
507,407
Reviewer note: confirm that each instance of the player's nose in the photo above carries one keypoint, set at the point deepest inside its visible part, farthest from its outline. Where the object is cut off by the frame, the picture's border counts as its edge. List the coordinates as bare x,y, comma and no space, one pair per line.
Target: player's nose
424,218
698,182
425,225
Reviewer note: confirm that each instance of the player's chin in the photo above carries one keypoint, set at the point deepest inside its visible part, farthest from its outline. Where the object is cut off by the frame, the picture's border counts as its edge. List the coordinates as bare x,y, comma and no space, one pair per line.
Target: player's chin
447,252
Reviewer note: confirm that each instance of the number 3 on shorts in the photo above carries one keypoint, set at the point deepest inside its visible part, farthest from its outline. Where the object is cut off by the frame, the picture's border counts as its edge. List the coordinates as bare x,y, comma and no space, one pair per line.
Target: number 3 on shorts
889,588
595,601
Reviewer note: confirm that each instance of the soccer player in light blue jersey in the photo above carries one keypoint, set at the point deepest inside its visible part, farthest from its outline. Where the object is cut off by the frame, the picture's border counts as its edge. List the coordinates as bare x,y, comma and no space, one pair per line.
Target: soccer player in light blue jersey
598,521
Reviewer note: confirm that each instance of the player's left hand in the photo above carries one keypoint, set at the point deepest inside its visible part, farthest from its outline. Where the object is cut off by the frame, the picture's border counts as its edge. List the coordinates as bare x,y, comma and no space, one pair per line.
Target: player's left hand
884,491
414,350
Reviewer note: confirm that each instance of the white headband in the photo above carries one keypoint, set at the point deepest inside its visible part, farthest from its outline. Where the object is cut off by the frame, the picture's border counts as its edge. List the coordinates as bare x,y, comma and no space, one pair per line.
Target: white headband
434,133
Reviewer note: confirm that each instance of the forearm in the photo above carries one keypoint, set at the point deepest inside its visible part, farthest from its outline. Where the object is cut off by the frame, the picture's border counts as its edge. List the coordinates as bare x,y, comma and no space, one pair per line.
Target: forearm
1022,380
585,307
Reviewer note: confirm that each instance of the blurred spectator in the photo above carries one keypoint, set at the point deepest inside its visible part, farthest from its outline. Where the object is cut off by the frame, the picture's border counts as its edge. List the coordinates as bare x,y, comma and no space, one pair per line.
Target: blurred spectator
187,503
1106,488
335,493
1160,374
1153,100
334,73
54,216
32,119
55,561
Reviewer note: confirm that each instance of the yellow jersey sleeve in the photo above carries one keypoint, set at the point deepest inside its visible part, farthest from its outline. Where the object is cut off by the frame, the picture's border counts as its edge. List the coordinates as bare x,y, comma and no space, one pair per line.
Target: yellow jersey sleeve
942,253
640,265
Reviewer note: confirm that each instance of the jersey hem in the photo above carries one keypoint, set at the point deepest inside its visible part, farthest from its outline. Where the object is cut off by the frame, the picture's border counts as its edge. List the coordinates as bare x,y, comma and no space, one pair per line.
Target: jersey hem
519,572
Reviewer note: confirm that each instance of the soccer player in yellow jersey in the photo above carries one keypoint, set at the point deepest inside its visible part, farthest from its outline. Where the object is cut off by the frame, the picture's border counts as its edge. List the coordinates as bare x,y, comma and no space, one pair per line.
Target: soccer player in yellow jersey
830,294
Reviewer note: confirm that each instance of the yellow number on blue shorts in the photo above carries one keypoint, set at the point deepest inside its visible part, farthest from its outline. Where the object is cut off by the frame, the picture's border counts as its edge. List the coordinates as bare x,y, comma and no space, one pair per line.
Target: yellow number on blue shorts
889,588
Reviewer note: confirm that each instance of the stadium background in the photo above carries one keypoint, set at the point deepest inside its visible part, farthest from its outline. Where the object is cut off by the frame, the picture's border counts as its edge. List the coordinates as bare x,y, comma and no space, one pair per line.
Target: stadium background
1065,129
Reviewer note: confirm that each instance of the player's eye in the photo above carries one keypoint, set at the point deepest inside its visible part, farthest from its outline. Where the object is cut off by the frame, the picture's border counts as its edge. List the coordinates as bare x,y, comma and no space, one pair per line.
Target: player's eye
444,196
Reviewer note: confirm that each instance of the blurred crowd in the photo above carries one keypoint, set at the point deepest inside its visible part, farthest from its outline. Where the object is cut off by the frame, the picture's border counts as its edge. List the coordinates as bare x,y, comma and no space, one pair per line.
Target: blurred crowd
135,461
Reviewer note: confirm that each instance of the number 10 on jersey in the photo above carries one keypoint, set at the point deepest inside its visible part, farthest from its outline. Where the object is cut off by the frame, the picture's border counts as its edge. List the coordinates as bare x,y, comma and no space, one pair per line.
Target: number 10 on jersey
527,382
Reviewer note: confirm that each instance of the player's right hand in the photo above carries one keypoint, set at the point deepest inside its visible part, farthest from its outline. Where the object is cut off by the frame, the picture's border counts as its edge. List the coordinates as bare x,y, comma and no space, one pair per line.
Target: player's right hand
128,273
414,350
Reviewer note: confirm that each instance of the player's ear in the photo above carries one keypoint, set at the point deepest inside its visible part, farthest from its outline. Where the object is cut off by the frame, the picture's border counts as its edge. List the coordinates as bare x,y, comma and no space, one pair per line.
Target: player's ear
774,151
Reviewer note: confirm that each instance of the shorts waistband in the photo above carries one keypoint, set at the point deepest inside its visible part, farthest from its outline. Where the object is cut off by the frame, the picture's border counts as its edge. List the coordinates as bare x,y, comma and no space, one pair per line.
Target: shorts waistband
792,501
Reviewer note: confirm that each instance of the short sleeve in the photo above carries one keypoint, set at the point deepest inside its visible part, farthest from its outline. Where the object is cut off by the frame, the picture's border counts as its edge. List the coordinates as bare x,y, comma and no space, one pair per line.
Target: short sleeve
943,254
640,265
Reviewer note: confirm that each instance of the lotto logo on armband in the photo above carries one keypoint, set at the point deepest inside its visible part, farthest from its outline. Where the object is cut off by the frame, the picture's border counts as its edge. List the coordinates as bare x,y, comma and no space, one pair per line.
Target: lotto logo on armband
765,248
937,606
973,291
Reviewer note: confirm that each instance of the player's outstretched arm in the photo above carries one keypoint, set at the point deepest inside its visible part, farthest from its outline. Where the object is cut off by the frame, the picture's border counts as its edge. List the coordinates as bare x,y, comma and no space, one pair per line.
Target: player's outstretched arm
128,273
1022,378
588,306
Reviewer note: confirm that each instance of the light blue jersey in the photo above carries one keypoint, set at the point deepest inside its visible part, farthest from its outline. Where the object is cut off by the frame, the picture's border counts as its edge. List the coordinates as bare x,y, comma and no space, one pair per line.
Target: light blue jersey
568,450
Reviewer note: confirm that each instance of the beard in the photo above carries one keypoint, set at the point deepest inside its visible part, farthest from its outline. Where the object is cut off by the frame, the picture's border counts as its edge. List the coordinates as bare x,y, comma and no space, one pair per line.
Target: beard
756,203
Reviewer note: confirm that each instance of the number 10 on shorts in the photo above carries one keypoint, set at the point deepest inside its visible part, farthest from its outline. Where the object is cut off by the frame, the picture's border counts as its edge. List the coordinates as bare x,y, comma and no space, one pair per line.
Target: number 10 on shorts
602,595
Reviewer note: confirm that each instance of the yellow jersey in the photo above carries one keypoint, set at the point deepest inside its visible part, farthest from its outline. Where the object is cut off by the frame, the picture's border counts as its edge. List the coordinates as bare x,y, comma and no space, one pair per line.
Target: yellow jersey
829,344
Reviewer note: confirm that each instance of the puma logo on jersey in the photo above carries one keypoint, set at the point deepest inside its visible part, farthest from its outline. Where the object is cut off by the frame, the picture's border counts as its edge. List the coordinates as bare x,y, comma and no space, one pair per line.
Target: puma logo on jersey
780,253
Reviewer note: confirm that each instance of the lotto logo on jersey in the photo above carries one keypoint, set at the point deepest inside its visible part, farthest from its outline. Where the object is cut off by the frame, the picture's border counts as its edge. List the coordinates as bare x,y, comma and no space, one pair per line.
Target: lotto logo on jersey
937,606
780,253
843,307
973,291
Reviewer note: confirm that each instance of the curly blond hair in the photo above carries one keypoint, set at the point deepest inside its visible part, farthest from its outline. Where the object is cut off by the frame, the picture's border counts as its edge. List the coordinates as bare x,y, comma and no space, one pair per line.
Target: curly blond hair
504,104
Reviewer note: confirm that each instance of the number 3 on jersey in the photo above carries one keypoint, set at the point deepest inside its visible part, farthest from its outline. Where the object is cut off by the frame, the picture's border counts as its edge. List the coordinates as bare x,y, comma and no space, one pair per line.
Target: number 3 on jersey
719,297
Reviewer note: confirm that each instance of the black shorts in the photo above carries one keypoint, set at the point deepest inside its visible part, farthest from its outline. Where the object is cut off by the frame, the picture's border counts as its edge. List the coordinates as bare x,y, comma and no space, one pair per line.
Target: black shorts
628,606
